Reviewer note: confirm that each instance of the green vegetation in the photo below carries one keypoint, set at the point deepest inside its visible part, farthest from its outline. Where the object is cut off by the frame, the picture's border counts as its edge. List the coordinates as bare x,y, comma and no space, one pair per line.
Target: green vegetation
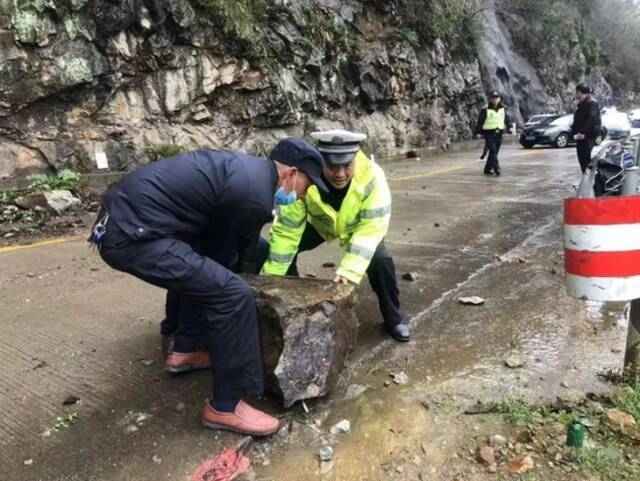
62,422
609,454
162,151
627,399
456,23
516,411
583,34
7,196
65,179
599,462
241,20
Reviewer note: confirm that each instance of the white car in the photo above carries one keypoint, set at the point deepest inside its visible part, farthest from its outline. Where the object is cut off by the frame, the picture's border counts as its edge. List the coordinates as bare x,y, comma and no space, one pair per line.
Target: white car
616,124
634,118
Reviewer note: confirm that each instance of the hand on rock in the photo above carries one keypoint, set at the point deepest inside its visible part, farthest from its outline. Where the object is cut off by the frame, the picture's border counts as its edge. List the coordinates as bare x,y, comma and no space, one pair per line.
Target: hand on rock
340,280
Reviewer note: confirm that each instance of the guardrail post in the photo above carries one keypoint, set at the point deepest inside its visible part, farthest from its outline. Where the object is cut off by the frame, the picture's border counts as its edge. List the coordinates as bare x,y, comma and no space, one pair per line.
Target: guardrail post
632,352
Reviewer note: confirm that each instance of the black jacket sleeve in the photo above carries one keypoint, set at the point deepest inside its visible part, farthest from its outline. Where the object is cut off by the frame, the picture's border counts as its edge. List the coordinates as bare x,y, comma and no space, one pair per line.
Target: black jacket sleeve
248,250
481,118
593,122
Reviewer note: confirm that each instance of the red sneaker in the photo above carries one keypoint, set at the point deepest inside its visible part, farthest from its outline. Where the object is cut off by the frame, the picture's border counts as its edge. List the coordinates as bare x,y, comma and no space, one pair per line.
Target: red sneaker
244,420
181,362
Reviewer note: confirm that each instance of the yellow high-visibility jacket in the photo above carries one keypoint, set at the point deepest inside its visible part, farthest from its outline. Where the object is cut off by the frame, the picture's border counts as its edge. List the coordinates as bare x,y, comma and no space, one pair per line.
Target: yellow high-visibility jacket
361,223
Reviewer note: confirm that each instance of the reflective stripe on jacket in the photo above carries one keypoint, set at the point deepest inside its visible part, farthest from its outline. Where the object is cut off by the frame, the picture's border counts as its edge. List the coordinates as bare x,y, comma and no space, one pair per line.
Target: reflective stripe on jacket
495,119
360,225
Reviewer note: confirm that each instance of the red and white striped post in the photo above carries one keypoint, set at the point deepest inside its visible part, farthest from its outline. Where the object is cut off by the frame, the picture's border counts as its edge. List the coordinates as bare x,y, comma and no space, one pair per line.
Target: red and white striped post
602,257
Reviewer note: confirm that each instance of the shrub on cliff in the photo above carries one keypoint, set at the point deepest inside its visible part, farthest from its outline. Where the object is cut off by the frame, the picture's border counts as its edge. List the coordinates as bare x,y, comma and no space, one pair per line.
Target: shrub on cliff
457,23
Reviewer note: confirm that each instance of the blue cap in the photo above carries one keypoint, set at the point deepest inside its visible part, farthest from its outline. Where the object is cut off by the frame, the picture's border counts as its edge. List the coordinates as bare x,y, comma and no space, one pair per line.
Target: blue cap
301,154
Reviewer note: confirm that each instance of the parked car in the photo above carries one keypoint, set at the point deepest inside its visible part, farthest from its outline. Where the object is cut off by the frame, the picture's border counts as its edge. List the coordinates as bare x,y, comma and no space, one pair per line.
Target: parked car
554,131
536,119
634,118
616,124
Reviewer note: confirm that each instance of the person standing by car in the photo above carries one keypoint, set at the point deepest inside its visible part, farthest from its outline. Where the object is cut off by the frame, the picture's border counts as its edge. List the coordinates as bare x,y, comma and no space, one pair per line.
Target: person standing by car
587,125
492,123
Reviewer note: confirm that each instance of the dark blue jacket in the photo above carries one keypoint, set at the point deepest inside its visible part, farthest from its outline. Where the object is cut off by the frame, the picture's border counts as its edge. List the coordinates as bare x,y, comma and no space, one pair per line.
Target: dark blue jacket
216,198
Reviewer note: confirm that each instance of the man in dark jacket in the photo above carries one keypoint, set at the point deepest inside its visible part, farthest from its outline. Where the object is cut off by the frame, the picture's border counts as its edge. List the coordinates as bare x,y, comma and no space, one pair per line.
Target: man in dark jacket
492,122
154,223
587,125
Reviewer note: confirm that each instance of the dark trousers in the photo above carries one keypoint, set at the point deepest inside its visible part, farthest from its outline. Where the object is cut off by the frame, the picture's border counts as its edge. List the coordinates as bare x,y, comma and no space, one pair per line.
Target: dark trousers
224,300
381,273
492,141
584,148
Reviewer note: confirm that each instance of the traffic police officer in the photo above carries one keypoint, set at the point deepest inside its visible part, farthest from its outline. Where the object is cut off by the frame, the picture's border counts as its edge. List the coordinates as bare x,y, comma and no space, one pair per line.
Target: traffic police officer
356,210
153,223
492,122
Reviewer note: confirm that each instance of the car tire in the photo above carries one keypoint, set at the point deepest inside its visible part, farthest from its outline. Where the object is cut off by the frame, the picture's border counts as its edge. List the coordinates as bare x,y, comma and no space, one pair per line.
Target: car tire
561,141
527,145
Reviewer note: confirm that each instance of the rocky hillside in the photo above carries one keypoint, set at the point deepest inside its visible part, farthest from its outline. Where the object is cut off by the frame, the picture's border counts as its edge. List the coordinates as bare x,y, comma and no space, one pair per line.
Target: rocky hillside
84,82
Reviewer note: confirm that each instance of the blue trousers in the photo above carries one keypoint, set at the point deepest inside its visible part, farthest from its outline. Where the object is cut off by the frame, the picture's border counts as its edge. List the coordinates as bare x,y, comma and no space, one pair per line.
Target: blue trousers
223,301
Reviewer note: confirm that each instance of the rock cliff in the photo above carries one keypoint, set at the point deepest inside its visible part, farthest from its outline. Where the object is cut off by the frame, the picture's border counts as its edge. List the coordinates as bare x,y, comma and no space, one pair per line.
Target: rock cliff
83,81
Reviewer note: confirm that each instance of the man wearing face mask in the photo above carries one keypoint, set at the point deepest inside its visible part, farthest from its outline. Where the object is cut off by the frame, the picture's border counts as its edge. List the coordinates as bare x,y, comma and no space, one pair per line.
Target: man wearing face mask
153,223
356,210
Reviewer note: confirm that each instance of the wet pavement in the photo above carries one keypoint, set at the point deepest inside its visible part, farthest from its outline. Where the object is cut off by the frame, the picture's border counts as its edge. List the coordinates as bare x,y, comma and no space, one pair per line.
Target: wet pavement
71,326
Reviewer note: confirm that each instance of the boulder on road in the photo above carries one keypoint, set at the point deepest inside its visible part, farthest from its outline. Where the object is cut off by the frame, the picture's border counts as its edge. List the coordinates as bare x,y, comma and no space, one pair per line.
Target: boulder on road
57,201
308,328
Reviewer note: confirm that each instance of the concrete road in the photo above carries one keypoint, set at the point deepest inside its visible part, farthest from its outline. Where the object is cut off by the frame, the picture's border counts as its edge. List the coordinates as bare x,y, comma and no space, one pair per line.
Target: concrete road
70,326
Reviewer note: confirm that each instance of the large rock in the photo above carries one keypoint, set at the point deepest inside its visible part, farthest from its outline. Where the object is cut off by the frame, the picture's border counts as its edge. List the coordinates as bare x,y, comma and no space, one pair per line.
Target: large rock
308,328
57,201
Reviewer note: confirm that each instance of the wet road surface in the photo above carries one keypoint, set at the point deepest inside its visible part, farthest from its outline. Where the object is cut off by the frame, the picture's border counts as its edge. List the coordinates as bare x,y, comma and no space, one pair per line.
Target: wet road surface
71,326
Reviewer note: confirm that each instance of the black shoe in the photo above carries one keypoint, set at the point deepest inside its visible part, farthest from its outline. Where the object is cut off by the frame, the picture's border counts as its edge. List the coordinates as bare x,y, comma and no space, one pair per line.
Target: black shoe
498,171
488,172
400,332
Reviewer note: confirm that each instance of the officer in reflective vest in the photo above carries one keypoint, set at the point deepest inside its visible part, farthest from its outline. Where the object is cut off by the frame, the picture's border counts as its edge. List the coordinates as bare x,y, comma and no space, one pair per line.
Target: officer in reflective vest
491,124
356,211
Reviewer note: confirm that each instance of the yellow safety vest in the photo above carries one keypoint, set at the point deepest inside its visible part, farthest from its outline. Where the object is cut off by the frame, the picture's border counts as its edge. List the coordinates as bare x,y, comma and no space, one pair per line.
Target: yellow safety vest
495,119
360,225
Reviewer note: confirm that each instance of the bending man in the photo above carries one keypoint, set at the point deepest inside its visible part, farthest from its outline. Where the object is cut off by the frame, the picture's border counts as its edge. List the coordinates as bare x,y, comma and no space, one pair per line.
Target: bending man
153,224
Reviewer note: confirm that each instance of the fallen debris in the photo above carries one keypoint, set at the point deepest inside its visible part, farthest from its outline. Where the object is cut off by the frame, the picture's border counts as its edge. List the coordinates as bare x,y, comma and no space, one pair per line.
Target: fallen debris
57,201
514,362
342,427
226,466
496,441
308,328
326,453
70,400
471,300
486,455
521,465
411,276
399,377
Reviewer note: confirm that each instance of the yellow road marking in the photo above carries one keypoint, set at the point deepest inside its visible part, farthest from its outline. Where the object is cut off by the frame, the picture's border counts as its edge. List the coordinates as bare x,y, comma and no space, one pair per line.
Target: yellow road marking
430,174
43,243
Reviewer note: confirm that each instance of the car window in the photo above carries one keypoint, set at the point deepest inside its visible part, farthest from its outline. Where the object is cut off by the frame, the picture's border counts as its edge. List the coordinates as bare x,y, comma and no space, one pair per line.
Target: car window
616,120
635,123
565,120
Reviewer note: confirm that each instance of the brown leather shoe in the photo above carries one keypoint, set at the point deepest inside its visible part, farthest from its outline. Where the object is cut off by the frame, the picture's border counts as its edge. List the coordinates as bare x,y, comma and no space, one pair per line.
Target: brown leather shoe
181,362
244,420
